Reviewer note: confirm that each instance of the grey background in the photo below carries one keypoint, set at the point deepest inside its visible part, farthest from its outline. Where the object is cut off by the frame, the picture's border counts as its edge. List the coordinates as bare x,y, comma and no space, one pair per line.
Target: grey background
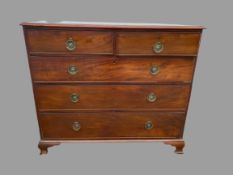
208,131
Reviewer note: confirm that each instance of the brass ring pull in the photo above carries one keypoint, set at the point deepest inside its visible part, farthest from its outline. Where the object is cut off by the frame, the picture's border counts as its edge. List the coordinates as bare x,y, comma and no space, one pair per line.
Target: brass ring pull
149,125
158,47
72,69
151,97
154,70
76,126
74,98
70,44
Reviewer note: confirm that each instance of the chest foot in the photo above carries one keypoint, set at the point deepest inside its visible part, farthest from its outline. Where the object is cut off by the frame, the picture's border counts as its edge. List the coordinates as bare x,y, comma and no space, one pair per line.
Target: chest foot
178,144
43,146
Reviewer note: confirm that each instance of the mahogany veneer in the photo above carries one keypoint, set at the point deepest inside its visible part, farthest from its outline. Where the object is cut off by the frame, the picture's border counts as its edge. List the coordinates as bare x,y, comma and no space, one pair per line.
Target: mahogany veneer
112,125
106,68
101,81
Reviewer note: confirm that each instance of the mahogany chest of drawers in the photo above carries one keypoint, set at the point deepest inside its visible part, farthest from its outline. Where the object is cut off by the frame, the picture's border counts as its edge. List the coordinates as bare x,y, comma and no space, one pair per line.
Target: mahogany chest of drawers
111,81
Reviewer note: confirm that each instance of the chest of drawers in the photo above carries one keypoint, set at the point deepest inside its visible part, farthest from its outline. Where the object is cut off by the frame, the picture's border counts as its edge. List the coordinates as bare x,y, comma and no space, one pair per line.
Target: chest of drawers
111,81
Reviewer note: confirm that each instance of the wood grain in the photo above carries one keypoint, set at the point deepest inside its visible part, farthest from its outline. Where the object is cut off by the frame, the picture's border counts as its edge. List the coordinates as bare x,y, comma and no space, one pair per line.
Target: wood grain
110,125
53,41
52,97
141,43
109,69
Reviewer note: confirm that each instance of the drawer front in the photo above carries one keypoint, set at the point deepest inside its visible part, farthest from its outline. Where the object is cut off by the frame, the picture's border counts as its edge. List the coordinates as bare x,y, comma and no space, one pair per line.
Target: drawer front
106,69
71,97
157,43
111,125
70,42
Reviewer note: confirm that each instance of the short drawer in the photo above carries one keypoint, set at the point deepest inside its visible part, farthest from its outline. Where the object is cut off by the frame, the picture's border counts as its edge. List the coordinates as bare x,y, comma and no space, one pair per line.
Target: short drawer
157,43
69,42
111,125
111,97
107,69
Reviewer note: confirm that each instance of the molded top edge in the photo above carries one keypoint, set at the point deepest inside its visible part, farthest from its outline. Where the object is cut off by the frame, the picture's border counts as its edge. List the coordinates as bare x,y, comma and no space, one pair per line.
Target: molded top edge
117,25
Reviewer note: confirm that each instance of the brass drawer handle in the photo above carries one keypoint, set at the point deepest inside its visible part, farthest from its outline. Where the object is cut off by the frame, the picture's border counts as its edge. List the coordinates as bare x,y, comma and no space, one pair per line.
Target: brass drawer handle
154,70
76,126
74,98
158,47
149,125
72,69
151,97
70,44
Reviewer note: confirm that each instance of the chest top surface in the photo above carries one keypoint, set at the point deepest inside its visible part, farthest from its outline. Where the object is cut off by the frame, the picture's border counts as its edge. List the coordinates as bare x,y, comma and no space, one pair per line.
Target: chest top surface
110,25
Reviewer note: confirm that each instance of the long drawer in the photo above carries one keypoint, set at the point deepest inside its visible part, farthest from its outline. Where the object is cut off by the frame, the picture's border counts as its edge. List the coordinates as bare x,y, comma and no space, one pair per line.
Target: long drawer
111,125
100,69
70,42
73,97
157,43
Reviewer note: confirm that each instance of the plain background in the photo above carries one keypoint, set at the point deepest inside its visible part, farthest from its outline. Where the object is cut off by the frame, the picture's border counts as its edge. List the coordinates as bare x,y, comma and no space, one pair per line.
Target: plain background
208,131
